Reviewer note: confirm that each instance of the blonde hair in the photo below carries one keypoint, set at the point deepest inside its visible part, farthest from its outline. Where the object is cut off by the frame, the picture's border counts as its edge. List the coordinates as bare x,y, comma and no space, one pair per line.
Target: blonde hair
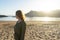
20,14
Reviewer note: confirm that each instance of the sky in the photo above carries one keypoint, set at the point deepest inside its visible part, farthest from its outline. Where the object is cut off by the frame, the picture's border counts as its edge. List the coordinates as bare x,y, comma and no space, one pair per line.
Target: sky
9,7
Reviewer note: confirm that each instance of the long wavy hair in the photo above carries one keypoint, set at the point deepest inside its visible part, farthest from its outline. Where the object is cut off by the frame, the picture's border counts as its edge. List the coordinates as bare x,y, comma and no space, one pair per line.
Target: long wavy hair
20,14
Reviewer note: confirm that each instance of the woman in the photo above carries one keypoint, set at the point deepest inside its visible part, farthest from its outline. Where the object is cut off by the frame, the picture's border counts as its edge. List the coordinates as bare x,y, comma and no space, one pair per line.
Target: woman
20,27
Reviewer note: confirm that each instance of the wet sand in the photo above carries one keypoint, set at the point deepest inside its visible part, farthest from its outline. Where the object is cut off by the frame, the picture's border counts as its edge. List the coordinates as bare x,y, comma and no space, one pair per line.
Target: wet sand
35,30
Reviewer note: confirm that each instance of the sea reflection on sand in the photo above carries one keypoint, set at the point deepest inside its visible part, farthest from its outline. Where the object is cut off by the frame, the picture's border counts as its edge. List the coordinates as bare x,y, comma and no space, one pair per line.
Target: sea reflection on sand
31,19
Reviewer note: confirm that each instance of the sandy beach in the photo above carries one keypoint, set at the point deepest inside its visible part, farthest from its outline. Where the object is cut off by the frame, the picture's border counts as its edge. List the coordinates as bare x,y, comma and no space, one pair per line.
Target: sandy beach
35,30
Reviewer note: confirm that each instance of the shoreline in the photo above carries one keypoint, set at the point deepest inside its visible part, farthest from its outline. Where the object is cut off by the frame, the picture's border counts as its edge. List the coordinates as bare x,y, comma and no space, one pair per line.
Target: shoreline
34,21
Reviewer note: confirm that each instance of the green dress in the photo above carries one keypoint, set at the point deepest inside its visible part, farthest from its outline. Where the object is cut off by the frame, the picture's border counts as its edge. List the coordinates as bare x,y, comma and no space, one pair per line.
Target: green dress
19,30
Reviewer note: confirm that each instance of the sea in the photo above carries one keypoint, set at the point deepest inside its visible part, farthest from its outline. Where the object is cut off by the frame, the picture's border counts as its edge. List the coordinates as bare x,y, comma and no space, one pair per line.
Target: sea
31,19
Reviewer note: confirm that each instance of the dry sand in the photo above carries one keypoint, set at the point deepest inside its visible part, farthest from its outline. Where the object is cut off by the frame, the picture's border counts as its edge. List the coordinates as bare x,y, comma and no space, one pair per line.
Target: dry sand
35,30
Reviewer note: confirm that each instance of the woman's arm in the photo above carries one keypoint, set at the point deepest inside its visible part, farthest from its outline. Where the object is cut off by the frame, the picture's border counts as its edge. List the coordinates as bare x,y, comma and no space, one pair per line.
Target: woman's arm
23,25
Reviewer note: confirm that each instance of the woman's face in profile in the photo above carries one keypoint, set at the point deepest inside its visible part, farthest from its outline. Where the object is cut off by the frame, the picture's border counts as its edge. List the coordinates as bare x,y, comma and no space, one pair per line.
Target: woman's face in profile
17,17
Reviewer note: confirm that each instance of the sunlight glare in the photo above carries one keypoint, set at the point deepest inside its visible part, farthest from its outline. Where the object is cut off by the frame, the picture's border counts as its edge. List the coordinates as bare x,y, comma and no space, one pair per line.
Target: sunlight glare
46,19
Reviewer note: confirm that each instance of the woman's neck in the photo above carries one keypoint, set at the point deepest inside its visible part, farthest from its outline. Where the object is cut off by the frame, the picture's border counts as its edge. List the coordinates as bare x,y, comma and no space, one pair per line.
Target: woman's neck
19,20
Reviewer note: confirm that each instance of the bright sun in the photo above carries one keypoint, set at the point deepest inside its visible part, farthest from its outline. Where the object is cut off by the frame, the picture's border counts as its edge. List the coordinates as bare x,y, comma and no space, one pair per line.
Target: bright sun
44,5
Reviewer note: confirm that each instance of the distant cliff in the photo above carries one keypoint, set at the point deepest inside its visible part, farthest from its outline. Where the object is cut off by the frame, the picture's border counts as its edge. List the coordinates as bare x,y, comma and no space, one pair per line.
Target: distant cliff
35,14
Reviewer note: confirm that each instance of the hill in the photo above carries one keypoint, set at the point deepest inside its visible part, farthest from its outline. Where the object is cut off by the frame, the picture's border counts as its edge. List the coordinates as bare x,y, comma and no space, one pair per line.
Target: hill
54,13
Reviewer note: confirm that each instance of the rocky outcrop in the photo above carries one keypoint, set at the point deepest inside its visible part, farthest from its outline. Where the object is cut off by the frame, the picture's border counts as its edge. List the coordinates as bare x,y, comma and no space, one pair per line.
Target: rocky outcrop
3,16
